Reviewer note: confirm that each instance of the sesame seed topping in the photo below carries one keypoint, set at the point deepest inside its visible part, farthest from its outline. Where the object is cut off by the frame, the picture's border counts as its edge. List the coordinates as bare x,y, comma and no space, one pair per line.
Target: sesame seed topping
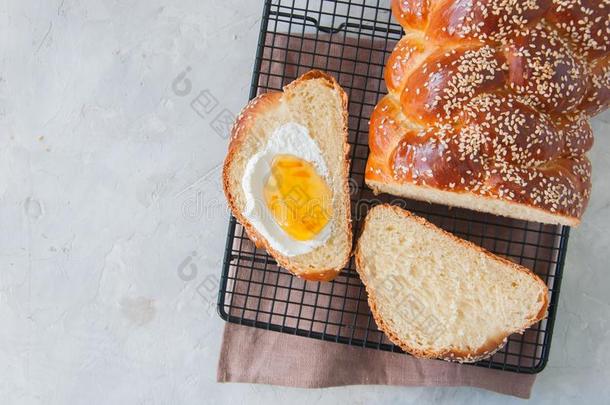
507,116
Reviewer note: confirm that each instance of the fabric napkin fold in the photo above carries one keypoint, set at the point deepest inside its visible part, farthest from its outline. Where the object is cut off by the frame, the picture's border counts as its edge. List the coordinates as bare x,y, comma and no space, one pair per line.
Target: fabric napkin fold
260,356
251,355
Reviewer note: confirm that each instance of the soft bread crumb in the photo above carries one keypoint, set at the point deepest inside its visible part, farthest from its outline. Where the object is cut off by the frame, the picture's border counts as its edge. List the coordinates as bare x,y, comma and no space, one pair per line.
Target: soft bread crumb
472,201
435,295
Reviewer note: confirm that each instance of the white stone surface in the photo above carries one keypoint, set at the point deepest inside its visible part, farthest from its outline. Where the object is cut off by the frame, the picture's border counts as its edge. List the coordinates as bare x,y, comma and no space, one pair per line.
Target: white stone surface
109,201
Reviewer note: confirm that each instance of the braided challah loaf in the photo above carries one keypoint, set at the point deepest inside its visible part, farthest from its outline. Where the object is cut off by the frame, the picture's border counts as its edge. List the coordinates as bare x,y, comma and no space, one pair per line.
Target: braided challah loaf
488,105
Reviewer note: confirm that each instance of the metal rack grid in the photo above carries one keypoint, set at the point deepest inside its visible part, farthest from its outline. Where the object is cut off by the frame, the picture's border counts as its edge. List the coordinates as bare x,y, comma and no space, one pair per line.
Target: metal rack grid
352,40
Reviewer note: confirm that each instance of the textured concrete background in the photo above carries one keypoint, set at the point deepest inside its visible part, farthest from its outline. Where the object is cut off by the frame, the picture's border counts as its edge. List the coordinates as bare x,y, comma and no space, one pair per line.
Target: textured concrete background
112,221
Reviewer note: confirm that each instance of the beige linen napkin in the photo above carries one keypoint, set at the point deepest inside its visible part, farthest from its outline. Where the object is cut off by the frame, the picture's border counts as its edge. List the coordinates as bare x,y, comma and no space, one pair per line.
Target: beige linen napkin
250,355
260,356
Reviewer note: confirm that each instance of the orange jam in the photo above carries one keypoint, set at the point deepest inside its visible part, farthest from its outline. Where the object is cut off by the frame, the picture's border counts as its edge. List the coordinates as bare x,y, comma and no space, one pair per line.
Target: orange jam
298,197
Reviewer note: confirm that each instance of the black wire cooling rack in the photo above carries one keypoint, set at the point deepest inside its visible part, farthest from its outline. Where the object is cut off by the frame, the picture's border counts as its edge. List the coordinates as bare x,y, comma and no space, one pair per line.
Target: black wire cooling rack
352,40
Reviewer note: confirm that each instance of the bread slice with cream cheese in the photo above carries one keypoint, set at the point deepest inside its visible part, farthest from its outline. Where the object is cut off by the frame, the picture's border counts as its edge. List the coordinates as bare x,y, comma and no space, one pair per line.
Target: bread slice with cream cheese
316,103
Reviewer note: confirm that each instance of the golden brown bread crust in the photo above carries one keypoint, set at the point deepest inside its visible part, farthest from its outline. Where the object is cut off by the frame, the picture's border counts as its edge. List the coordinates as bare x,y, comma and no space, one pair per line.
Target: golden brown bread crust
492,98
492,346
240,130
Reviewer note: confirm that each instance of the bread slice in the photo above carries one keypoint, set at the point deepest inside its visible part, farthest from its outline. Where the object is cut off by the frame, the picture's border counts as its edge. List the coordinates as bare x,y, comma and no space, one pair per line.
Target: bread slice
316,101
438,296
